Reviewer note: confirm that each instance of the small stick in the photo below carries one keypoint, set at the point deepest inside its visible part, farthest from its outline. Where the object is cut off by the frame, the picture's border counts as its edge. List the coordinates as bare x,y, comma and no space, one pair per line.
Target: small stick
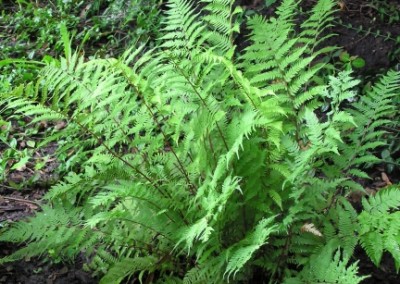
20,200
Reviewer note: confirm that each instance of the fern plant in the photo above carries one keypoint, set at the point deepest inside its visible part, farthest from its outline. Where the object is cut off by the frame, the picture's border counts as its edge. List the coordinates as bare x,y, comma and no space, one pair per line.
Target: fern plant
203,164
379,226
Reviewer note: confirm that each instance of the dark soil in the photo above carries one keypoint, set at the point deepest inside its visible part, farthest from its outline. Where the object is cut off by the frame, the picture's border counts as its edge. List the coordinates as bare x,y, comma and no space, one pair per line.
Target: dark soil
20,204
35,271
371,42
384,274
16,205
365,32
362,29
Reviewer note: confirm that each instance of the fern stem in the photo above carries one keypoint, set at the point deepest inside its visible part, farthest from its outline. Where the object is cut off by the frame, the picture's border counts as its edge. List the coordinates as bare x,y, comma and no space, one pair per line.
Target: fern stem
212,148
155,205
145,226
162,252
282,255
245,226
226,64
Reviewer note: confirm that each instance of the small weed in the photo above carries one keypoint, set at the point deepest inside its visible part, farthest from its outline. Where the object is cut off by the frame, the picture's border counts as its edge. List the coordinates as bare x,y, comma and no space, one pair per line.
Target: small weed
349,62
388,12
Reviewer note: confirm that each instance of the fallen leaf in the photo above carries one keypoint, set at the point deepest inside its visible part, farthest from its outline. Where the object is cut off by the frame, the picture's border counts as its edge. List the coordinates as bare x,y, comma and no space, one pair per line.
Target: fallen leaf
356,196
342,6
385,178
60,125
370,191
43,124
63,270
32,206
310,228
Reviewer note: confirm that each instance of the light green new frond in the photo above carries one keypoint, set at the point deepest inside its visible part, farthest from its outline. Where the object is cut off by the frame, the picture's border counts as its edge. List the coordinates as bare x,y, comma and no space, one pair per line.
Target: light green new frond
311,93
321,138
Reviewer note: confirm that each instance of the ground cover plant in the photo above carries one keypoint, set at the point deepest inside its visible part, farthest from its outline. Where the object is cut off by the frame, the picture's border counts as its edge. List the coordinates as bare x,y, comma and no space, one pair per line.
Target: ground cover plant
31,33
30,30
202,163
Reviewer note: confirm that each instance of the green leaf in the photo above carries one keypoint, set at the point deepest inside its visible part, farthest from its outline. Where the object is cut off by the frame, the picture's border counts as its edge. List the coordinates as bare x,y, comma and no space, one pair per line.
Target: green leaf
344,57
358,63
269,2
18,166
30,143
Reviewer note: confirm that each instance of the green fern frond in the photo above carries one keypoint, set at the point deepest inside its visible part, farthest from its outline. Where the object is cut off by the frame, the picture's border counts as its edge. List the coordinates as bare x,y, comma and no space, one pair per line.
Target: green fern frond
51,231
221,18
239,256
127,267
323,268
183,30
379,228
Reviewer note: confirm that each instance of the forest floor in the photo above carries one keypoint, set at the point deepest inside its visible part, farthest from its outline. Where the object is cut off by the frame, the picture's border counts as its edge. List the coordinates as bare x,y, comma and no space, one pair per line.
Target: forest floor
377,42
